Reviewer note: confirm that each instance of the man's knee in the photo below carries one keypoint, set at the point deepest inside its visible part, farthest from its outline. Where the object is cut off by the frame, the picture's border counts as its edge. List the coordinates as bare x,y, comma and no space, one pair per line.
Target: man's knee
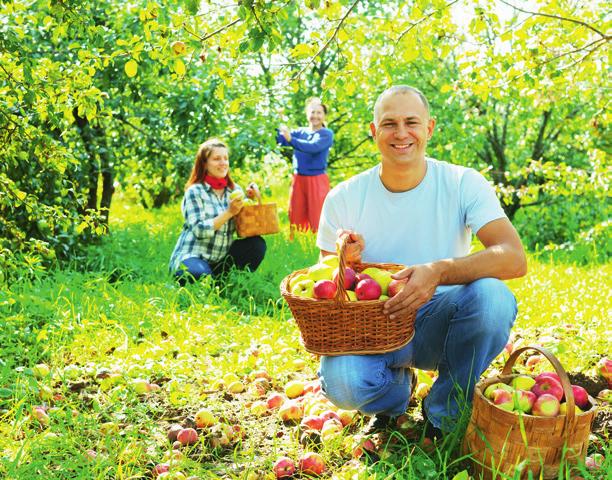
494,305
349,386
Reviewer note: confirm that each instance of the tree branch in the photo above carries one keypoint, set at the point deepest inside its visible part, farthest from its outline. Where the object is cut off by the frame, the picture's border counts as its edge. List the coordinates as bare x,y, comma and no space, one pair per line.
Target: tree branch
558,17
422,19
329,40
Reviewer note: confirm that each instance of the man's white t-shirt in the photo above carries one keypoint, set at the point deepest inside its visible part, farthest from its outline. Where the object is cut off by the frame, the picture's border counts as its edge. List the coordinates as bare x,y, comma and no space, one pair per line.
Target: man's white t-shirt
433,221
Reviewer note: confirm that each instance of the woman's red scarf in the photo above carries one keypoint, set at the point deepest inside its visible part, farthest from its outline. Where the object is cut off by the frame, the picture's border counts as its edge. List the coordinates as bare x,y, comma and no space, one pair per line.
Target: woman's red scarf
216,183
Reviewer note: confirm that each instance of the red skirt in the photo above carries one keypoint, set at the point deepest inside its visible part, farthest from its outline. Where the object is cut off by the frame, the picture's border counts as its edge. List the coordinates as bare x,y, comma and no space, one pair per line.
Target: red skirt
306,200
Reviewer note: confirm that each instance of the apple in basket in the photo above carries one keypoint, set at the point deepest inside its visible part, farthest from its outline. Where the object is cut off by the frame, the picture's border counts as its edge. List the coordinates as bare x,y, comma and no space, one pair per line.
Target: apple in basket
325,289
382,277
305,288
546,405
236,194
548,385
368,289
395,286
349,277
320,271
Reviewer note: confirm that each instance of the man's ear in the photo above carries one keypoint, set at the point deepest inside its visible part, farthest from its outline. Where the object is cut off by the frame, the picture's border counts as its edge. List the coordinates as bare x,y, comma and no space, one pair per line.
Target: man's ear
430,128
373,129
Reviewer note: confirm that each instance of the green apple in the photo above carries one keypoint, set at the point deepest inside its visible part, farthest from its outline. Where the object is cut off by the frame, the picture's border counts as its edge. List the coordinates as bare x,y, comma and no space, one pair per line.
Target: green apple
351,295
522,382
382,277
331,260
297,279
499,385
236,194
384,297
305,288
563,409
320,271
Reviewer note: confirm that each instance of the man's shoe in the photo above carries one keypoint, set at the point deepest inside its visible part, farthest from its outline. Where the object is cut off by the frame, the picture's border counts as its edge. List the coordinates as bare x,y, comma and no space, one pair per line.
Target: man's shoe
432,432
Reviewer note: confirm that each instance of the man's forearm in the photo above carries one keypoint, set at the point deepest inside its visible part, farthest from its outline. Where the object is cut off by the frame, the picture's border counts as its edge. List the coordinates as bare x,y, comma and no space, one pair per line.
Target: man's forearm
498,261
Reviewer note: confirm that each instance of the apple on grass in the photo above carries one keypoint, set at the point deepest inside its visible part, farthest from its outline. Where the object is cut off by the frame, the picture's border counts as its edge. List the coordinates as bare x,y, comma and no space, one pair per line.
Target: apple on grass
291,411
294,388
259,408
368,289
604,366
204,418
324,289
187,436
311,463
275,400
284,467
605,395
548,385
349,277
546,405
312,422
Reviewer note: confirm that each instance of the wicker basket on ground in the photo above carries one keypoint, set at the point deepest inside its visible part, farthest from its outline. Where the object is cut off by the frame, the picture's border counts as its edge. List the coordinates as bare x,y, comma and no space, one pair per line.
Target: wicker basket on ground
504,444
259,219
338,326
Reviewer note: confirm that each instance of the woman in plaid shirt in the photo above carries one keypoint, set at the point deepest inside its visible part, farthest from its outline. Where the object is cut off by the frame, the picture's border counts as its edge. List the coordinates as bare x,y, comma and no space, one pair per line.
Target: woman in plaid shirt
206,245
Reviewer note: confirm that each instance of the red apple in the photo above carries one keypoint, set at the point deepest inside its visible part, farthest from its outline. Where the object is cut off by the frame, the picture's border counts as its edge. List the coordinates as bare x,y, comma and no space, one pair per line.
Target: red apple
361,276
275,400
503,399
349,277
187,436
330,414
548,385
554,375
173,431
368,289
395,286
290,411
160,468
546,405
604,367
284,467
312,422
325,289
524,400
581,397
311,463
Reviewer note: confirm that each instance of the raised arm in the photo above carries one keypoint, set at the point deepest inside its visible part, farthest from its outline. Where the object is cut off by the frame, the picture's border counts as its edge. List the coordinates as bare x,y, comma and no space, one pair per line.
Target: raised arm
322,140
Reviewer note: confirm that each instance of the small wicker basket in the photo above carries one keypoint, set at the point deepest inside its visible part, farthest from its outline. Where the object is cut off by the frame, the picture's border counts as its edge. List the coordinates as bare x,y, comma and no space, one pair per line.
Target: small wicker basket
505,444
339,327
260,219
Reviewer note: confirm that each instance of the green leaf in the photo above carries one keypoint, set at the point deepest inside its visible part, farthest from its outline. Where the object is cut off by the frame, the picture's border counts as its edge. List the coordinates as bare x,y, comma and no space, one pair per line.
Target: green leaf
462,475
179,67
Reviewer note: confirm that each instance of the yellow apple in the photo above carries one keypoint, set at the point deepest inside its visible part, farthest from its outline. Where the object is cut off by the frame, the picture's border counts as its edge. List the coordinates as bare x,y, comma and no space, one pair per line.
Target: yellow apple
297,279
205,418
294,388
320,271
331,260
305,288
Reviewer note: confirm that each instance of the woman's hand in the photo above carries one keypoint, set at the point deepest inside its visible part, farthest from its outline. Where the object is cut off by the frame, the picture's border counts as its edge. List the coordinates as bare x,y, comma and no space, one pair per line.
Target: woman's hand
235,206
354,246
285,132
252,191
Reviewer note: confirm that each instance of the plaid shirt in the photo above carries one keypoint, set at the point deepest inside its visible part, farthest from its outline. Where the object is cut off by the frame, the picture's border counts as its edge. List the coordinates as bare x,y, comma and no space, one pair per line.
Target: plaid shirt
199,238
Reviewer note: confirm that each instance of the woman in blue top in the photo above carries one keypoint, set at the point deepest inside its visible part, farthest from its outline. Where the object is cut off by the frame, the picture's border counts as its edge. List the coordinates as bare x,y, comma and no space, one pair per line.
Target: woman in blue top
206,245
310,183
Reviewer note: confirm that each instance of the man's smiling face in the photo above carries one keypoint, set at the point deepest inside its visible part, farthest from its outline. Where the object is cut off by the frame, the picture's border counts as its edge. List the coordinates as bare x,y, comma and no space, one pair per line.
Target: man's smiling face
402,129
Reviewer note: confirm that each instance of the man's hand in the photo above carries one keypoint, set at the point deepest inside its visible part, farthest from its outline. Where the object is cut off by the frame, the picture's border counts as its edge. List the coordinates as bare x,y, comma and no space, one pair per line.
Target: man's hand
421,283
354,246
235,206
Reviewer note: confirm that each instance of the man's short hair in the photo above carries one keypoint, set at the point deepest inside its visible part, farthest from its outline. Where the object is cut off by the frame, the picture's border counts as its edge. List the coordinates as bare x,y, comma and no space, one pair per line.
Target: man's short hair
398,90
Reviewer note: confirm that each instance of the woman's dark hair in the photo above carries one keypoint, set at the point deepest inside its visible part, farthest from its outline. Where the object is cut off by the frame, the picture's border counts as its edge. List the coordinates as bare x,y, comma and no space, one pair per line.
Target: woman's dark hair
198,173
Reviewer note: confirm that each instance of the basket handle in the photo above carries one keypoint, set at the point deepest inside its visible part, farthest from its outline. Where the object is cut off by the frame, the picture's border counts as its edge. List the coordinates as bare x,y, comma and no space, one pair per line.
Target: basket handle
341,295
565,381
257,194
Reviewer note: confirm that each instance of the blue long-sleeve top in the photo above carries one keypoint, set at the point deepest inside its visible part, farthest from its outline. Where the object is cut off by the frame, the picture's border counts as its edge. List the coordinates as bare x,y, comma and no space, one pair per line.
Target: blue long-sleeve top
310,149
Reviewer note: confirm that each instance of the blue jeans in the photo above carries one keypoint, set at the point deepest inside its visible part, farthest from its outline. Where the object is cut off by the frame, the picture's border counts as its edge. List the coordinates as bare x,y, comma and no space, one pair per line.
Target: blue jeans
245,253
458,333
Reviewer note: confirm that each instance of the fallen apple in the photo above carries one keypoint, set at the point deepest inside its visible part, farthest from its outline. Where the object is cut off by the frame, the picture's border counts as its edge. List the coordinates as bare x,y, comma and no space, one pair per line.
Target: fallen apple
290,411
294,388
311,463
284,467
204,418
275,400
604,367
187,436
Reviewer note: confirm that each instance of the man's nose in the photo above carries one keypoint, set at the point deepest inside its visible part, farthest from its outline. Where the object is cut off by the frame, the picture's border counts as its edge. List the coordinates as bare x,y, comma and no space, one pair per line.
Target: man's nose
401,131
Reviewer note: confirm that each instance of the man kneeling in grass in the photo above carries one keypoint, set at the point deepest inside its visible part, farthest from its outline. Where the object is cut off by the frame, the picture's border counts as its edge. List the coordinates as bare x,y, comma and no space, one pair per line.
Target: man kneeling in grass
421,212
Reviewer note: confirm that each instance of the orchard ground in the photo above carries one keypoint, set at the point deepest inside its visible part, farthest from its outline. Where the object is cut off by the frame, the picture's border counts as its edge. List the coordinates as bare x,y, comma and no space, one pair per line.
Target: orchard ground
115,318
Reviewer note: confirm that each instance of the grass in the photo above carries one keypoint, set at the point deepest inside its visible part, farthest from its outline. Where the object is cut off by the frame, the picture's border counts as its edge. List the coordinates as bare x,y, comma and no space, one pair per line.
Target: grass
116,316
